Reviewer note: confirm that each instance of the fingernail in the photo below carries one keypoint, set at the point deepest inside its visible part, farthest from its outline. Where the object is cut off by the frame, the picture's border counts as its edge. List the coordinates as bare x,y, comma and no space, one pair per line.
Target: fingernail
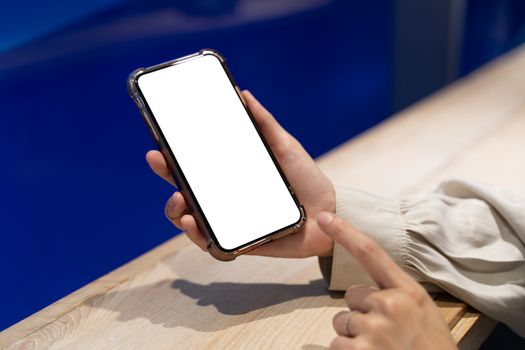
324,218
171,202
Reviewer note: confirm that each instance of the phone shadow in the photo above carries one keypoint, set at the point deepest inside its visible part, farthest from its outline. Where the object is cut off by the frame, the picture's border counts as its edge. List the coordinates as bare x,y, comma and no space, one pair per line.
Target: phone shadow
211,307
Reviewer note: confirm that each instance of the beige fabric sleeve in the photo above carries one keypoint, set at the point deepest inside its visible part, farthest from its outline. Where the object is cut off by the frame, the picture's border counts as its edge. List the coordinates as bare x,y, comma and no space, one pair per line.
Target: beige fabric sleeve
465,238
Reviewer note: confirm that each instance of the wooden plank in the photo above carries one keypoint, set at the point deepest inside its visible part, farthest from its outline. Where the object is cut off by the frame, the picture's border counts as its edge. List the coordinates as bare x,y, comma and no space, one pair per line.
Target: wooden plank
179,302
177,296
451,309
495,159
423,139
472,330
98,287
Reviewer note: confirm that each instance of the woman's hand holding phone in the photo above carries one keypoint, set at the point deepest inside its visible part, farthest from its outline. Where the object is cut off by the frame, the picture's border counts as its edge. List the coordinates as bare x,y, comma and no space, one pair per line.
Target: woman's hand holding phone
311,185
398,314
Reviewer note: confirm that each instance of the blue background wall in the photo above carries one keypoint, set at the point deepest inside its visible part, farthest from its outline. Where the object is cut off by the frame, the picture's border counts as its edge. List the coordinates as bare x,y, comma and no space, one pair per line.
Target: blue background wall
76,196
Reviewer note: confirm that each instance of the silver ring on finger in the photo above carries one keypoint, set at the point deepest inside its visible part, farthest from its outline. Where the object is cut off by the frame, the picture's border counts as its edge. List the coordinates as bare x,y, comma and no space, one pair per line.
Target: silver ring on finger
347,321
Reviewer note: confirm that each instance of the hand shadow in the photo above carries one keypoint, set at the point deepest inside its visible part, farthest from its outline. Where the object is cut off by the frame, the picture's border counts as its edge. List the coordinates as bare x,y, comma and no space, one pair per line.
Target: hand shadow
183,303
241,298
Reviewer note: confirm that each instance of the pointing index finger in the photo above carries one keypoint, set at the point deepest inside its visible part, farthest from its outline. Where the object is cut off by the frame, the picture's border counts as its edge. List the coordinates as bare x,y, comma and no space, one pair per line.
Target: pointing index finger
376,262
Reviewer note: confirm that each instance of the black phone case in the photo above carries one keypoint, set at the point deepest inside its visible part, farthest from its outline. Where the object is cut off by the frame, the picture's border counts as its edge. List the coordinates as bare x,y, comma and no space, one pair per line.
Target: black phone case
178,175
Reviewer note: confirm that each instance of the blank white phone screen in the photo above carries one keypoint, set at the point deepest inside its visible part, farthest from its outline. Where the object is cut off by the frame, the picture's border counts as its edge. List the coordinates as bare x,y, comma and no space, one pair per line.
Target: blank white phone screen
219,151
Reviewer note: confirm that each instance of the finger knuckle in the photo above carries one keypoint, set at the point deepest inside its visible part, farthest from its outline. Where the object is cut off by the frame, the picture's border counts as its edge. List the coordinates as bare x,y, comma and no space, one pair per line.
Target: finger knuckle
366,249
396,305
355,290
170,207
418,293
338,343
284,147
376,325
168,212
338,317
348,294
362,344
172,199
367,324
167,207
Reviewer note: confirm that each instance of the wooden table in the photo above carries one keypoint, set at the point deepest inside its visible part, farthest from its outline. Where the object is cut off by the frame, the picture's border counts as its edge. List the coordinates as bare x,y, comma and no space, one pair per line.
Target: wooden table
178,297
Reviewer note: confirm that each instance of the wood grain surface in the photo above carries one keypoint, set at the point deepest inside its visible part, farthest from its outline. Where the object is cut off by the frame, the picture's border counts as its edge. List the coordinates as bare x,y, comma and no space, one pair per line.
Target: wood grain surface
177,297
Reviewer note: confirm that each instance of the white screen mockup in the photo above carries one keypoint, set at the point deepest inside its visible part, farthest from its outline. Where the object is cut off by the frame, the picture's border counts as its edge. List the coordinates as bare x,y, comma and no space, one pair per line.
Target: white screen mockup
219,151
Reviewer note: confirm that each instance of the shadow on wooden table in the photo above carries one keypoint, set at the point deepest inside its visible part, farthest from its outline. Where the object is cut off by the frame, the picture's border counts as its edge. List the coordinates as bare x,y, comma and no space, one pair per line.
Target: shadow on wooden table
210,307
314,347
241,298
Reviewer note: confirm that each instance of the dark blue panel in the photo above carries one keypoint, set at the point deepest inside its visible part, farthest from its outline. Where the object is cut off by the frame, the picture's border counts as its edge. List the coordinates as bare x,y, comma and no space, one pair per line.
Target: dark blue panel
76,196
492,27
24,21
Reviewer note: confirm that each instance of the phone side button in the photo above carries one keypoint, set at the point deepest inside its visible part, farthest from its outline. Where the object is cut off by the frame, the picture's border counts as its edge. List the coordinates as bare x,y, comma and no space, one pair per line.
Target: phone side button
138,102
152,130
154,134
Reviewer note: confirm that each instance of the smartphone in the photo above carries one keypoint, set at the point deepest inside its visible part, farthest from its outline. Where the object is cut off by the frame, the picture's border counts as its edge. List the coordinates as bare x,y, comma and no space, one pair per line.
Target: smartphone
222,165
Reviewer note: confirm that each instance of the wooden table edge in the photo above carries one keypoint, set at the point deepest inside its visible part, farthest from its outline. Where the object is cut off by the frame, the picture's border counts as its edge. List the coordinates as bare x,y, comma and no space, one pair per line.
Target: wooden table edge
91,290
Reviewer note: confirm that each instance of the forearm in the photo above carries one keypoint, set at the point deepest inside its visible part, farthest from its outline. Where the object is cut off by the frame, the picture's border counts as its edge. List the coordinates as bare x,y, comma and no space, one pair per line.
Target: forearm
466,239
